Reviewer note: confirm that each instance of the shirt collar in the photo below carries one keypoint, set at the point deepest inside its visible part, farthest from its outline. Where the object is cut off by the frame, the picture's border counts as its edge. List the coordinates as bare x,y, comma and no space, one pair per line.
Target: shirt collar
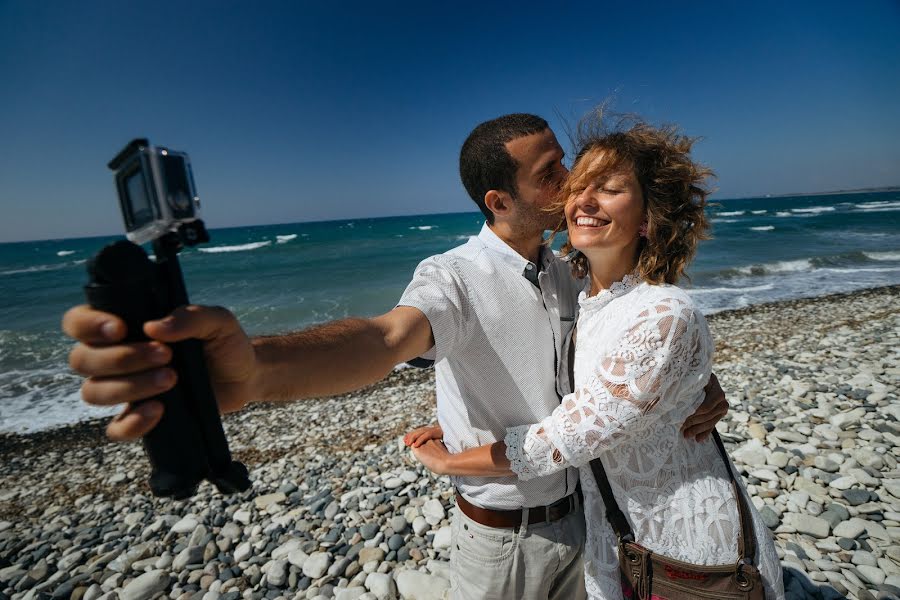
510,256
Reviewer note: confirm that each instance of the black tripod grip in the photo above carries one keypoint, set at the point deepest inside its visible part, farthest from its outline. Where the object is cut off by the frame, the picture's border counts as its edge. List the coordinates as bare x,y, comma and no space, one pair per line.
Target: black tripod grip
125,282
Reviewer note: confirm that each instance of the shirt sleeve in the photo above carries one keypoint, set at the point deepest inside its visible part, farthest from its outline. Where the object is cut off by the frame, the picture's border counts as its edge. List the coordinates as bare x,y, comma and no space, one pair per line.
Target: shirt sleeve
438,291
620,399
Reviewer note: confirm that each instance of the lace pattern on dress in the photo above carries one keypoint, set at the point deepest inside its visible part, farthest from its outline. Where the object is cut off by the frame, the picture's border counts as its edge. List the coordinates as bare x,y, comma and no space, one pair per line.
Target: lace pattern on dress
638,375
615,404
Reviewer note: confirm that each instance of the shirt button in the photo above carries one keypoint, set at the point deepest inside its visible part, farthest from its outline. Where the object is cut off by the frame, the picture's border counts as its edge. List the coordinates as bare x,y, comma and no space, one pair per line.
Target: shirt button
529,267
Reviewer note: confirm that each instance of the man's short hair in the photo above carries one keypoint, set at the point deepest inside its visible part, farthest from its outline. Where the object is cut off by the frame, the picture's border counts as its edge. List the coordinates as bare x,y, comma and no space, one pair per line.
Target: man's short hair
484,162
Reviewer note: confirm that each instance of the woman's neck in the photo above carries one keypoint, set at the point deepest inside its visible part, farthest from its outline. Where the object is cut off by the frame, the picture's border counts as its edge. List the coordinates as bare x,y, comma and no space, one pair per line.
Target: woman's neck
607,266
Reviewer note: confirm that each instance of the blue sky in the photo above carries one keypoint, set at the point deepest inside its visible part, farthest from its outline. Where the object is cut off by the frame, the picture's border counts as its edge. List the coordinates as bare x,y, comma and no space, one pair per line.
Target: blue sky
300,111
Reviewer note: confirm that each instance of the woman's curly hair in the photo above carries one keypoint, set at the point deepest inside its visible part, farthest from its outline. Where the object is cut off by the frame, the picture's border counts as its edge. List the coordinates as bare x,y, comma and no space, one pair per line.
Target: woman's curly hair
673,187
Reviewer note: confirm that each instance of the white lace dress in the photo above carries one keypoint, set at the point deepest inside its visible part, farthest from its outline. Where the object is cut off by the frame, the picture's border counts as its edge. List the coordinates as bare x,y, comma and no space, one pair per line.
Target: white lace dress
643,356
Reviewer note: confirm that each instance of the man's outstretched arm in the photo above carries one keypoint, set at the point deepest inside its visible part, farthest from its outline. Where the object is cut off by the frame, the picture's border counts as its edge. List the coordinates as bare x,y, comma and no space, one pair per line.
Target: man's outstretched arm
340,356
329,359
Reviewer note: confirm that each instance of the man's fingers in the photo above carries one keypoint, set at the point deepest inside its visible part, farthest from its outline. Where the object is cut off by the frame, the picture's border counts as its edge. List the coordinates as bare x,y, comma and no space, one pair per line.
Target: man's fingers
93,326
135,421
200,322
118,390
122,359
700,428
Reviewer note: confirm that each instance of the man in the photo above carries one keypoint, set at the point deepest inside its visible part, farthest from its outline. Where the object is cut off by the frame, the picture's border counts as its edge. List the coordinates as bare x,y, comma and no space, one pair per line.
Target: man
495,316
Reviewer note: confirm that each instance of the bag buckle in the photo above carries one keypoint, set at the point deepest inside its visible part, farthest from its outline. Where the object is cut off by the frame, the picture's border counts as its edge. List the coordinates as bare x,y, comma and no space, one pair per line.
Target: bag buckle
743,576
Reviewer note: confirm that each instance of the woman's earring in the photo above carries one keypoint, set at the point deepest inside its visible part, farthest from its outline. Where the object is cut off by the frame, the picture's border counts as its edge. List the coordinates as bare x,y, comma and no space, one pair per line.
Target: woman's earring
642,231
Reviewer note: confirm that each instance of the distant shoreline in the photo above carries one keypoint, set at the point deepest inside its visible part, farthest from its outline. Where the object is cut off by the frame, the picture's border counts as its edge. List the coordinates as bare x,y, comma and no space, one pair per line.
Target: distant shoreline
893,188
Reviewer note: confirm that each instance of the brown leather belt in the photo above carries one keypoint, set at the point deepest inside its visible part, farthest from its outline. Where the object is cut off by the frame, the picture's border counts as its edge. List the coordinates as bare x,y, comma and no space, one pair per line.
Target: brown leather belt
513,518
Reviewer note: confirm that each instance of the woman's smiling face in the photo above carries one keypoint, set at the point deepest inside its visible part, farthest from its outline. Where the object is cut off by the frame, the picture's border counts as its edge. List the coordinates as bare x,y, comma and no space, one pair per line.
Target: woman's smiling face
608,210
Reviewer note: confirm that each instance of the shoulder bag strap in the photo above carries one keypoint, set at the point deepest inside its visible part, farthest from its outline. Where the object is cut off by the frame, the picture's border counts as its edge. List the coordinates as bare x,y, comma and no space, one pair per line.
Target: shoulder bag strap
613,514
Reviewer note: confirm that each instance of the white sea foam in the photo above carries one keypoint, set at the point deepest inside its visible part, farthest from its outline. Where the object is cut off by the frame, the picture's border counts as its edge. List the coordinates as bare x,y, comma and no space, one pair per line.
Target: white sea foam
763,228
724,220
283,239
733,213
782,266
782,213
758,212
814,210
880,209
424,227
881,204
883,255
862,269
238,248
35,269
65,252
729,290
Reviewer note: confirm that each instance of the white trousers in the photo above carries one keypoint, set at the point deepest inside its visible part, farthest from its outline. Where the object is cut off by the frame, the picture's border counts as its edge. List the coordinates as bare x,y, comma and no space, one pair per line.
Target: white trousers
535,562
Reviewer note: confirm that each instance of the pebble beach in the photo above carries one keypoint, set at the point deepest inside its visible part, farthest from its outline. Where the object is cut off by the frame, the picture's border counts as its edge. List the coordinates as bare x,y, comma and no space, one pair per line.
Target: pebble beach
339,509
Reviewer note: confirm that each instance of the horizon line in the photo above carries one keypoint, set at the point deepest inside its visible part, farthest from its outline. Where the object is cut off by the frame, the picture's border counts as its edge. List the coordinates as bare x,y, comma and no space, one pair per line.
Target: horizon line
871,190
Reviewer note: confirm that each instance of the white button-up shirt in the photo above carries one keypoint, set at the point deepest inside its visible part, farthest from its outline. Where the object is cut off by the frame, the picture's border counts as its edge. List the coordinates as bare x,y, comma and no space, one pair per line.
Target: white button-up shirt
501,353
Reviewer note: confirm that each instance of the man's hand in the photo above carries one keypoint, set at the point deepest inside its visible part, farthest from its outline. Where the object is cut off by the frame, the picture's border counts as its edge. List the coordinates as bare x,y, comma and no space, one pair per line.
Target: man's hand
417,437
702,423
433,454
122,373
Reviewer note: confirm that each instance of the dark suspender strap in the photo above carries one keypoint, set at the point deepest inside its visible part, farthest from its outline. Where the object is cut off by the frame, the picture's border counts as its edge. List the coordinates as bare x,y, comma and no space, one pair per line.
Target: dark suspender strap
747,540
613,514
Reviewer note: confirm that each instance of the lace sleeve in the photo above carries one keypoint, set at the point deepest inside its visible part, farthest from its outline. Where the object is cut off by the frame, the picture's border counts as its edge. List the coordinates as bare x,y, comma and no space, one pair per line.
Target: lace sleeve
617,402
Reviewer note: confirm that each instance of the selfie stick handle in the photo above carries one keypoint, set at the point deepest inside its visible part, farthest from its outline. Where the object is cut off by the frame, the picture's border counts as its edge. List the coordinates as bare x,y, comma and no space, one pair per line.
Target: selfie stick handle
189,360
125,282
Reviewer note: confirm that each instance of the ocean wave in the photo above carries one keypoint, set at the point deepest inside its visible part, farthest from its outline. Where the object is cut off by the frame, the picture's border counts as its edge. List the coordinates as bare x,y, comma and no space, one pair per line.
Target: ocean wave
782,266
731,290
763,228
758,212
65,252
238,248
424,227
862,269
881,209
36,269
723,220
814,210
283,239
883,255
879,204
733,213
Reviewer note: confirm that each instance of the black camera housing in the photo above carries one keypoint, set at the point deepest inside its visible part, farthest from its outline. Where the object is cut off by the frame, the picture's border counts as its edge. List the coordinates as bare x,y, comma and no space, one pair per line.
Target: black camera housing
156,192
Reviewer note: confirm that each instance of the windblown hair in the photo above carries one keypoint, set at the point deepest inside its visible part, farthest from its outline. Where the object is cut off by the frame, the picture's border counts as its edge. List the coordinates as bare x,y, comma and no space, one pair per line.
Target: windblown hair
484,162
673,187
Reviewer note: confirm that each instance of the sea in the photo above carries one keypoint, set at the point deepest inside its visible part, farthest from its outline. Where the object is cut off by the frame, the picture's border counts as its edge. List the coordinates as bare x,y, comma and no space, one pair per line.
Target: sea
278,278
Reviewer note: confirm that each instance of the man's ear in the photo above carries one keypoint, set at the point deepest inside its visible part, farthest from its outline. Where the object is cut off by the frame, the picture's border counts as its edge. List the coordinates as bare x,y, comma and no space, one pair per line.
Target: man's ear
498,202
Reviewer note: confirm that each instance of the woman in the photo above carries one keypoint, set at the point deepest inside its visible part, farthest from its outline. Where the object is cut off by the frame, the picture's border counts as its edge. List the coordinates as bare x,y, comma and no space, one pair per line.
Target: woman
634,209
